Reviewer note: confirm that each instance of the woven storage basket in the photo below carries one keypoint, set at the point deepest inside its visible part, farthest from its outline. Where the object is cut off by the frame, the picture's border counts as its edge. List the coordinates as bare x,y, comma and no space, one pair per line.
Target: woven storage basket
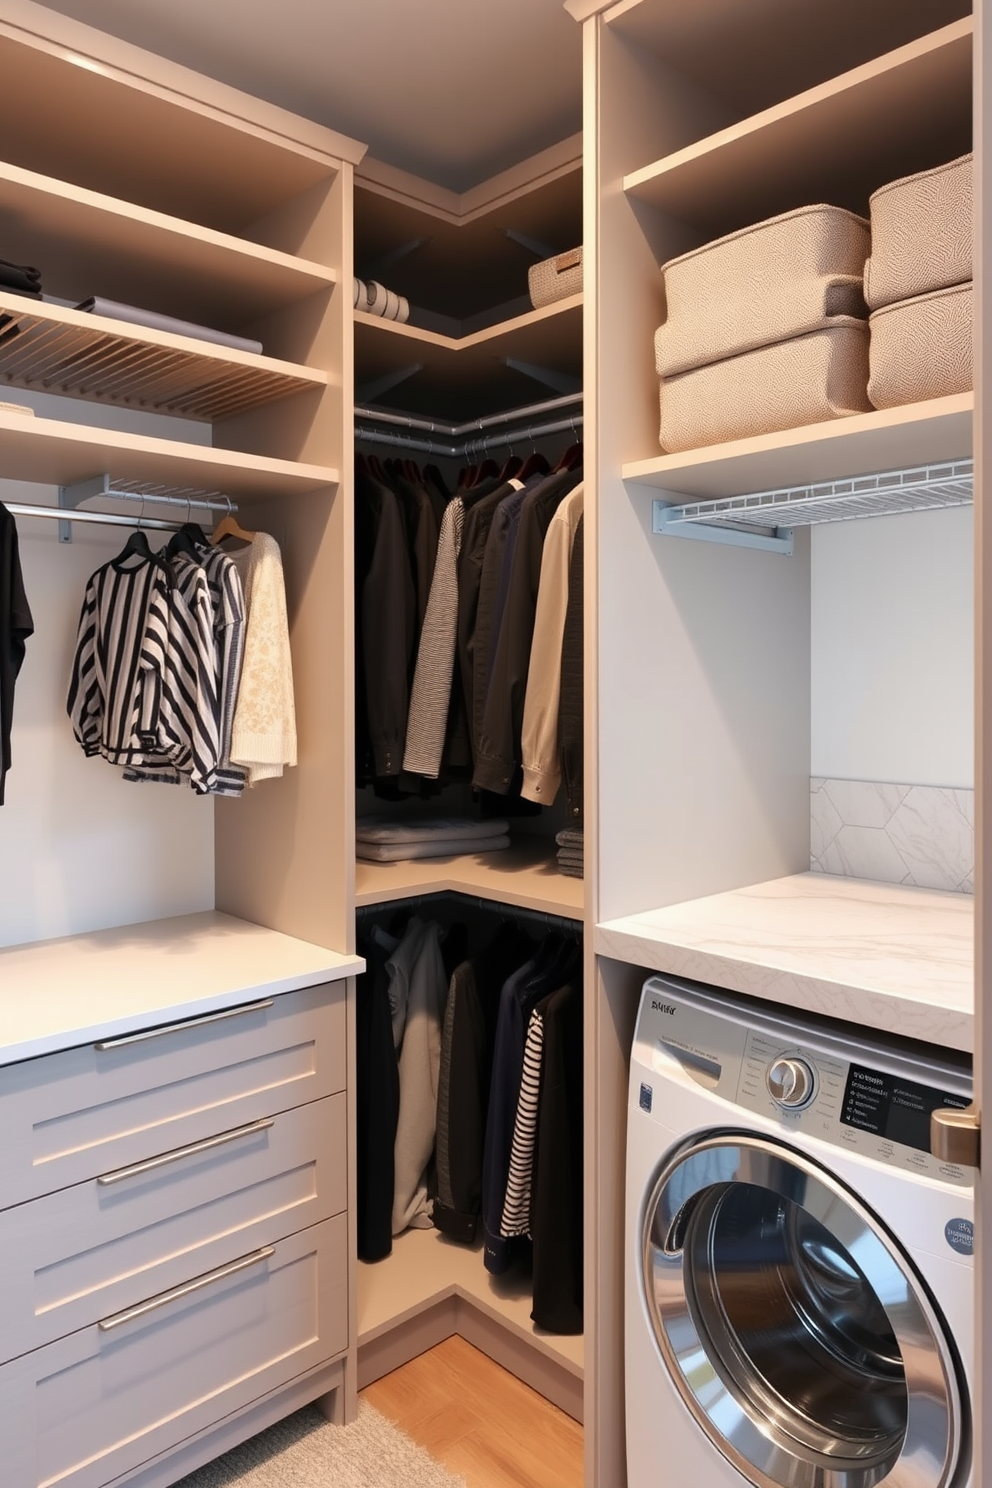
920,234
555,278
921,348
822,375
778,279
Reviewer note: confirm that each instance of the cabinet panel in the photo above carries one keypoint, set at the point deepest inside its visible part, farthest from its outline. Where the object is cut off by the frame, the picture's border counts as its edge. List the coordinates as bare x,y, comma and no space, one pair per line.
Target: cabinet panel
72,1116
70,1258
97,1404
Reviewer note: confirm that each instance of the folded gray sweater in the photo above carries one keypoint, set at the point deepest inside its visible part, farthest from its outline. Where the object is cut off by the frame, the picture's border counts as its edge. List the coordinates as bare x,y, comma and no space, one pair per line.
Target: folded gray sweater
427,829
403,852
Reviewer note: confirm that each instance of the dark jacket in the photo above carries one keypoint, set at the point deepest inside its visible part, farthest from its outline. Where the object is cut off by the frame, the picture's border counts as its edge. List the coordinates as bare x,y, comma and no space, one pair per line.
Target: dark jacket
467,1043
388,621
570,709
498,760
556,1208
377,1085
16,625
475,534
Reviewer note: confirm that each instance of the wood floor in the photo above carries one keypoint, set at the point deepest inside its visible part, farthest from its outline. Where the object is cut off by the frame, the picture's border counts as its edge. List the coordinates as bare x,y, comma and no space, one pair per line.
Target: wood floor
480,1421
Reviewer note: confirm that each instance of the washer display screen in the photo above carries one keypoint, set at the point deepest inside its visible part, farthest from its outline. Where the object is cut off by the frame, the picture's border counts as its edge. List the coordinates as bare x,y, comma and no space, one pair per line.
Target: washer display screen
897,1110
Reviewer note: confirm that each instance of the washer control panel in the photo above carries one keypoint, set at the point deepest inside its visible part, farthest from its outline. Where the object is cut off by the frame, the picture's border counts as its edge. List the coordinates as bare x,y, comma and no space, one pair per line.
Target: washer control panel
873,1100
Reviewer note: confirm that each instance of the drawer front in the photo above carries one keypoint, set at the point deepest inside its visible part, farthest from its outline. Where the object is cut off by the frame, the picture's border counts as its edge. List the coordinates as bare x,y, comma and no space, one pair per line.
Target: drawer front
97,1404
71,1116
72,1257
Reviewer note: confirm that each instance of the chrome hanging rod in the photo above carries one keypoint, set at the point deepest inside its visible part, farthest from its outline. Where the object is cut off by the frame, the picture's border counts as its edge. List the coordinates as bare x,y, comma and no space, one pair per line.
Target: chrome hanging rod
459,431
106,519
469,446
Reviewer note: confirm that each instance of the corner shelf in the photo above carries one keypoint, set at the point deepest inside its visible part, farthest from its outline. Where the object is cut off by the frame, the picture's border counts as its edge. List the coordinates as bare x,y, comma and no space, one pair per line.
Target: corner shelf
46,348
838,142
525,875
474,375
877,954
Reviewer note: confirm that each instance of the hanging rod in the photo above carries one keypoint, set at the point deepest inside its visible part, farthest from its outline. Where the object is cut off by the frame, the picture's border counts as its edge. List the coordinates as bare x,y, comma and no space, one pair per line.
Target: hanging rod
458,431
106,519
567,924
468,446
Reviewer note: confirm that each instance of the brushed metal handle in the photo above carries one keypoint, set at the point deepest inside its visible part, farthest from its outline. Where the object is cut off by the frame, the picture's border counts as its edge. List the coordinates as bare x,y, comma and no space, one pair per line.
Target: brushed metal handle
164,1298
153,1033
178,1153
955,1135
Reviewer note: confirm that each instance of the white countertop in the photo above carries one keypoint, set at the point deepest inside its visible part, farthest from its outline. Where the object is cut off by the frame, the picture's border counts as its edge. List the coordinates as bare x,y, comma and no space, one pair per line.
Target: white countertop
58,993
879,955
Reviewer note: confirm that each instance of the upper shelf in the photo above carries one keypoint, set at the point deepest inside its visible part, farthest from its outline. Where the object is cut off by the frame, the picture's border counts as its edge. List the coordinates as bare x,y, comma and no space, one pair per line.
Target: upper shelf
472,376
836,143
46,348
55,453
86,243
525,874
896,438
752,56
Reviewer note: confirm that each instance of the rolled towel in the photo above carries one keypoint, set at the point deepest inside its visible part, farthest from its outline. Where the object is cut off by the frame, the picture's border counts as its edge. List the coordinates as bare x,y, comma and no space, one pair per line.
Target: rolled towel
371,829
402,852
571,837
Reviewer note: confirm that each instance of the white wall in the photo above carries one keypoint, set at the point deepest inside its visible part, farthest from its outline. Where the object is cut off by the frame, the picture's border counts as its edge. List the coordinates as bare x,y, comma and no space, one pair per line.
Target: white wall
80,849
892,649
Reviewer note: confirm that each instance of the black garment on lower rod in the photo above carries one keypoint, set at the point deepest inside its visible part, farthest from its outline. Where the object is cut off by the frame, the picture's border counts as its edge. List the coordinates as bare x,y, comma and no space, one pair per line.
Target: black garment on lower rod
378,1105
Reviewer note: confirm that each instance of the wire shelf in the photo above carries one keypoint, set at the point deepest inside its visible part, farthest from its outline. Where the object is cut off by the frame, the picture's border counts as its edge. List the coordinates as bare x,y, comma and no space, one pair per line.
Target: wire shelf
61,352
884,494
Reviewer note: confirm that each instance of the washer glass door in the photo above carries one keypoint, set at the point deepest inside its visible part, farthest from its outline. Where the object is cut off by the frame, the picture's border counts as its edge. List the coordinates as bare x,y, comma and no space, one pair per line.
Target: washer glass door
798,1334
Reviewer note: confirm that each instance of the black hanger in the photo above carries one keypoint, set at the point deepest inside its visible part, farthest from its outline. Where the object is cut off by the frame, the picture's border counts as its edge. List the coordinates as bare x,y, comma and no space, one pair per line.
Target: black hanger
191,540
137,547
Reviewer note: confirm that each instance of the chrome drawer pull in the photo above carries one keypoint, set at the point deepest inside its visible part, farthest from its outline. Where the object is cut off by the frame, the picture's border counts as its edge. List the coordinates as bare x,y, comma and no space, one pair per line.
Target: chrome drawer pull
152,1033
154,1303
179,1153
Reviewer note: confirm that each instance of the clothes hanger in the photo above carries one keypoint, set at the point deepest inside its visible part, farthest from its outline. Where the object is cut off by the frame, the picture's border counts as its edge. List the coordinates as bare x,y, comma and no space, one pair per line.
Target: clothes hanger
137,545
570,460
535,463
228,526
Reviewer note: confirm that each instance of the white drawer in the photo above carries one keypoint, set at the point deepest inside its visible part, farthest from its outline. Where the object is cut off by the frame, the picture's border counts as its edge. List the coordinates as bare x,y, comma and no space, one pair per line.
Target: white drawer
84,1410
71,1116
72,1257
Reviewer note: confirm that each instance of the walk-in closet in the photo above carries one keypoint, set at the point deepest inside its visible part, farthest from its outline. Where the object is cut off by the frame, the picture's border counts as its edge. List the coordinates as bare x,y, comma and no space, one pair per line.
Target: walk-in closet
493,575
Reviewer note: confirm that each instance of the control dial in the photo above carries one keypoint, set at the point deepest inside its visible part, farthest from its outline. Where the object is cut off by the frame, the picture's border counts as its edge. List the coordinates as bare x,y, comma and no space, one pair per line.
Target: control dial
790,1082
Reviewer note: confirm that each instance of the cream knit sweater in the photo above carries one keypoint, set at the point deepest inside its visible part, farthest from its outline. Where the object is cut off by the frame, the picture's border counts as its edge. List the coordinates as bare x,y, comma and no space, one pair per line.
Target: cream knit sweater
263,738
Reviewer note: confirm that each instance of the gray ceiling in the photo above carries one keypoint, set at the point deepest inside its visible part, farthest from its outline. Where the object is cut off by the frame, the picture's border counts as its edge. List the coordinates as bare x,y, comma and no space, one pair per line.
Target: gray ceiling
453,90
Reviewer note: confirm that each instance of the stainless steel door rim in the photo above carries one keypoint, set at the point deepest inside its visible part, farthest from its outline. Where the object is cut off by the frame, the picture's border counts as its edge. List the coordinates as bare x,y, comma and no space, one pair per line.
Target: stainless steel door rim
797,1332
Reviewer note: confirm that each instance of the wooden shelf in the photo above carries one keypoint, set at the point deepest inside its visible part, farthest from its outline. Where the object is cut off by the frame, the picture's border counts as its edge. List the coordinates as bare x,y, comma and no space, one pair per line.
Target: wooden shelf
525,874
58,454
896,438
881,955
465,377
48,349
425,1268
86,243
755,55
837,143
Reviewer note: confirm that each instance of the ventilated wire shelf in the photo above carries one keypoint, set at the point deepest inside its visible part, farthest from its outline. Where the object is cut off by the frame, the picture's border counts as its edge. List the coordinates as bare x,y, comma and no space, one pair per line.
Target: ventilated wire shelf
53,353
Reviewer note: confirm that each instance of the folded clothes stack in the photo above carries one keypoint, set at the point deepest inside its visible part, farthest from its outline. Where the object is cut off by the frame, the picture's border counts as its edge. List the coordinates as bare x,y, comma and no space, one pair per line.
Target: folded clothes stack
571,852
379,841
20,279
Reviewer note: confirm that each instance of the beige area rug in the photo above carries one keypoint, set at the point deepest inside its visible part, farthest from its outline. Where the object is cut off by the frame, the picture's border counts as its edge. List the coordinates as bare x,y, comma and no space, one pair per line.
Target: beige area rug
306,1451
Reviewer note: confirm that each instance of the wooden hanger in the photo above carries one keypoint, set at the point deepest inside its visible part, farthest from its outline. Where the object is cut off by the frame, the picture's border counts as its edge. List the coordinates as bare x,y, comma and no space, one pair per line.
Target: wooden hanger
229,527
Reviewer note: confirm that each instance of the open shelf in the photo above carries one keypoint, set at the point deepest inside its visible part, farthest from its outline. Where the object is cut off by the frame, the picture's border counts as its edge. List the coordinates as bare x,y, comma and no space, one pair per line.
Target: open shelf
459,378
60,454
894,438
525,874
48,349
876,954
752,56
837,143
86,243
426,1269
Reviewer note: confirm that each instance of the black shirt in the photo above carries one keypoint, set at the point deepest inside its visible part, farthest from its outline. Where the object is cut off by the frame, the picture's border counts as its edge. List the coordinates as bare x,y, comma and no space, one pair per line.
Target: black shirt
15,627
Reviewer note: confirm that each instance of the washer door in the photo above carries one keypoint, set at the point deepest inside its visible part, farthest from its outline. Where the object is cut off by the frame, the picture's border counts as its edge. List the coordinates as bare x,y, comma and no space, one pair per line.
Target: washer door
800,1337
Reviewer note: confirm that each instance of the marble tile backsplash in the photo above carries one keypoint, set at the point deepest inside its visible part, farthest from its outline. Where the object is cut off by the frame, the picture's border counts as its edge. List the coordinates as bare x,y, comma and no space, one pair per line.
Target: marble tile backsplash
920,835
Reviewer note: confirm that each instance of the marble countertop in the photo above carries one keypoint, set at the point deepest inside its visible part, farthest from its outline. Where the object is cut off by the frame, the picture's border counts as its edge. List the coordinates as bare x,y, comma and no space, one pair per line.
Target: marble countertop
58,993
879,955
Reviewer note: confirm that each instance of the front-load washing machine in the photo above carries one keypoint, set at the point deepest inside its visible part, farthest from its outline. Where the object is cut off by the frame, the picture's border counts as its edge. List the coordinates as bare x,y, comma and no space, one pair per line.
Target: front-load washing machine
799,1280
